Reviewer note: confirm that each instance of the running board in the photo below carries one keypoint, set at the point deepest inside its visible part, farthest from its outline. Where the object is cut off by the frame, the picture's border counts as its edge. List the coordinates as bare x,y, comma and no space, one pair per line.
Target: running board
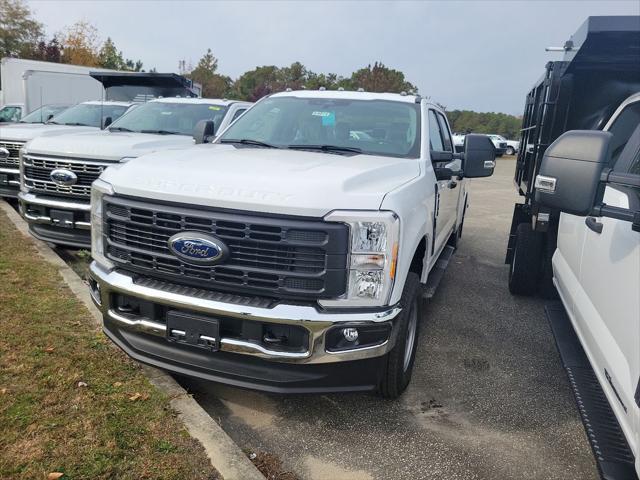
437,272
612,453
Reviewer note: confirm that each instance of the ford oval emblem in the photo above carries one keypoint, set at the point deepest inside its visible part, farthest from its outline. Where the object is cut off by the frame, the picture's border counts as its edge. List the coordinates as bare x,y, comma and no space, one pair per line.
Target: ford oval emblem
4,153
198,248
63,177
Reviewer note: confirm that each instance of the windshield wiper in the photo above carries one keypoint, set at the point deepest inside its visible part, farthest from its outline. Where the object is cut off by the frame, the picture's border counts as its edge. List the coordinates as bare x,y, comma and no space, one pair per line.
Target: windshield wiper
326,148
161,132
78,124
119,129
51,122
248,141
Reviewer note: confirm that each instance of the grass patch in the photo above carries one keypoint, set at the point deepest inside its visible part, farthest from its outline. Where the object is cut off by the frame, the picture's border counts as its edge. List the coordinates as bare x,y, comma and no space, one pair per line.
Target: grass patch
66,393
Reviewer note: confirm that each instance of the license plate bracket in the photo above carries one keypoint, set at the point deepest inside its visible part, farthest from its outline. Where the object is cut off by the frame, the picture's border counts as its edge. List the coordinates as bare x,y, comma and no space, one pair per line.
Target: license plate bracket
195,330
62,218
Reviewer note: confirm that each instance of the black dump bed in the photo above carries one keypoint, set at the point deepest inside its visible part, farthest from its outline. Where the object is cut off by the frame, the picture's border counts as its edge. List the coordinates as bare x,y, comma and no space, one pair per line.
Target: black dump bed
140,86
601,68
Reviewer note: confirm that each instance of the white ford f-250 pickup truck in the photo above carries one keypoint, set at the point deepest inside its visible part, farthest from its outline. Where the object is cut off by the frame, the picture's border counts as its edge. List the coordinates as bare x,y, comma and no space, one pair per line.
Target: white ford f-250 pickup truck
593,177
291,255
87,116
57,172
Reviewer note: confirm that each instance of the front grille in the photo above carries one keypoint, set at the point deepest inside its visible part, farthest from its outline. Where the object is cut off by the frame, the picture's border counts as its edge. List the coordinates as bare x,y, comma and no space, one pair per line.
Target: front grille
37,175
503,145
281,257
14,153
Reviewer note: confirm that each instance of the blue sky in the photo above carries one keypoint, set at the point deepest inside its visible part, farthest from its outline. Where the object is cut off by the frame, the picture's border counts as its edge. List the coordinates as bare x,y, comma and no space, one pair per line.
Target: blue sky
479,55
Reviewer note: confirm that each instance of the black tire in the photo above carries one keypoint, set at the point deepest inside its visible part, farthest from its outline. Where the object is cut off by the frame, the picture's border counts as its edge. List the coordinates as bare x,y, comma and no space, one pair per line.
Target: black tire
397,372
511,151
524,271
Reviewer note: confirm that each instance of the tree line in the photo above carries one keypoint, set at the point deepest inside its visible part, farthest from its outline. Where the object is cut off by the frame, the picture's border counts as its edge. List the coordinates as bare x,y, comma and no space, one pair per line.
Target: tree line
22,36
467,121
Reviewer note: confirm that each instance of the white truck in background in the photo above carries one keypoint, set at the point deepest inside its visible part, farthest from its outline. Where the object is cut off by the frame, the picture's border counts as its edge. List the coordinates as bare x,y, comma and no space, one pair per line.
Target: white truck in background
86,116
293,254
56,172
29,84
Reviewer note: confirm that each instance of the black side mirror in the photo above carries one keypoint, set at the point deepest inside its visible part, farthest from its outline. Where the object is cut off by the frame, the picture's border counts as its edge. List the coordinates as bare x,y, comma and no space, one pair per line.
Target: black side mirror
49,117
479,156
203,131
107,121
569,178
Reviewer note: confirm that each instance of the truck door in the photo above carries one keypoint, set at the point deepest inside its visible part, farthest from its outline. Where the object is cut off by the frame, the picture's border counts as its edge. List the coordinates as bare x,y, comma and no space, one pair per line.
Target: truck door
448,191
608,308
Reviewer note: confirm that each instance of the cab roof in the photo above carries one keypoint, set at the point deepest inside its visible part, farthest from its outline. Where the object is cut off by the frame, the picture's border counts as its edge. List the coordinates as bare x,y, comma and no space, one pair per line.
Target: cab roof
207,101
107,102
350,95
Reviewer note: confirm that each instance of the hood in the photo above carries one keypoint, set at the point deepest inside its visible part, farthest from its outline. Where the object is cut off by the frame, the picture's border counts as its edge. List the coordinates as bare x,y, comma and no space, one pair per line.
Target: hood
263,180
23,132
105,145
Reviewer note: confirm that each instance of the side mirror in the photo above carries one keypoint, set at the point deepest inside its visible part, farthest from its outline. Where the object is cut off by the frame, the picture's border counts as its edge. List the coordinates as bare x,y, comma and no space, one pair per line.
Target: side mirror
203,131
479,156
569,178
49,117
107,121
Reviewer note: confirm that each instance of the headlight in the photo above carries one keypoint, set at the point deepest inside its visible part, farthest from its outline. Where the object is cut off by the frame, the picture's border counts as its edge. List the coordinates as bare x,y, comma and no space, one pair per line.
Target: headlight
373,255
99,189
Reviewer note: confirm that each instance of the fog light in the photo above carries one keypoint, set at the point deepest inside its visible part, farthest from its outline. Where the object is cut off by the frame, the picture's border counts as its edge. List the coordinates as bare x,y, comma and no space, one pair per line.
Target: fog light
350,334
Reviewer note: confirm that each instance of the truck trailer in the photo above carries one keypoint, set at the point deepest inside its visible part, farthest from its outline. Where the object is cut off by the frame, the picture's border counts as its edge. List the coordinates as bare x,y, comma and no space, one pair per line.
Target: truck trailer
599,71
28,84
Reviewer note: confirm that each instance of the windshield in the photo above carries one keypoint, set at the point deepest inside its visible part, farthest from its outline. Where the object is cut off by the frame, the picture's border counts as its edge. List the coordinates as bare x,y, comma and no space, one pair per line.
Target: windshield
169,117
89,114
377,127
42,114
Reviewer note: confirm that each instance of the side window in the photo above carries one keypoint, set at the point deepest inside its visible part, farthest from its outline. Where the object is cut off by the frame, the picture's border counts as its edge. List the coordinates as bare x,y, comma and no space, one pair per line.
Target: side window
239,112
622,129
435,138
446,135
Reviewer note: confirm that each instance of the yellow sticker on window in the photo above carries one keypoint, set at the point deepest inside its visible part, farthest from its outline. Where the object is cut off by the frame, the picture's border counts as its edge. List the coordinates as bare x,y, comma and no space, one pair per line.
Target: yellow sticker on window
214,107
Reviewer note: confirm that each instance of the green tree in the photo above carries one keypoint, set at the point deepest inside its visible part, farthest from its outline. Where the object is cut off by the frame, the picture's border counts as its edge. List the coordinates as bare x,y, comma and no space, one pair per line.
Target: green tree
20,33
256,83
213,84
378,78
110,57
467,121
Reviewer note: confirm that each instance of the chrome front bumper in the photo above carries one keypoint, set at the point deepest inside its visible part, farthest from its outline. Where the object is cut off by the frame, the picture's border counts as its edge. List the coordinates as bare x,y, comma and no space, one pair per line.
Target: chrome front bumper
27,199
316,323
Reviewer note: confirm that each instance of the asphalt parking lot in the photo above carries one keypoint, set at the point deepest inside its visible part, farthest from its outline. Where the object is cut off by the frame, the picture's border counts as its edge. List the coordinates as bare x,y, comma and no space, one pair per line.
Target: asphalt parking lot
488,400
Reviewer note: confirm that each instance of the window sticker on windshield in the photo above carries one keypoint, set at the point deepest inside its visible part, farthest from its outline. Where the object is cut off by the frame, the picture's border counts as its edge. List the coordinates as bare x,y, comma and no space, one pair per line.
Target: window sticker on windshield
328,118
214,107
166,113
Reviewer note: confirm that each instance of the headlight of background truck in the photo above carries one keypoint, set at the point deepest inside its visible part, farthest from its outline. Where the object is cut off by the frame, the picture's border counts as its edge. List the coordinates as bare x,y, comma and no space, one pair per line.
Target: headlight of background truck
373,254
99,188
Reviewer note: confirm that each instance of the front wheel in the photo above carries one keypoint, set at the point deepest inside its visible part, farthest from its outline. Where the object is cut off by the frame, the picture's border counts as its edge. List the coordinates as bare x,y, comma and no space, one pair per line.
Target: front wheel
511,151
399,362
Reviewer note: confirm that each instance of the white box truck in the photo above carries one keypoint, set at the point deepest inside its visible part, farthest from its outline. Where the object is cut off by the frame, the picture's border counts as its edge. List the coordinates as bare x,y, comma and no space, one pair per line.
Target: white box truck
28,84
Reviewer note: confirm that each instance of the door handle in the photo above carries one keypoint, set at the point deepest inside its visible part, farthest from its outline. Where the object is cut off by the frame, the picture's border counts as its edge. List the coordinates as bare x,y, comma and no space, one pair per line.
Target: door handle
452,184
593,224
